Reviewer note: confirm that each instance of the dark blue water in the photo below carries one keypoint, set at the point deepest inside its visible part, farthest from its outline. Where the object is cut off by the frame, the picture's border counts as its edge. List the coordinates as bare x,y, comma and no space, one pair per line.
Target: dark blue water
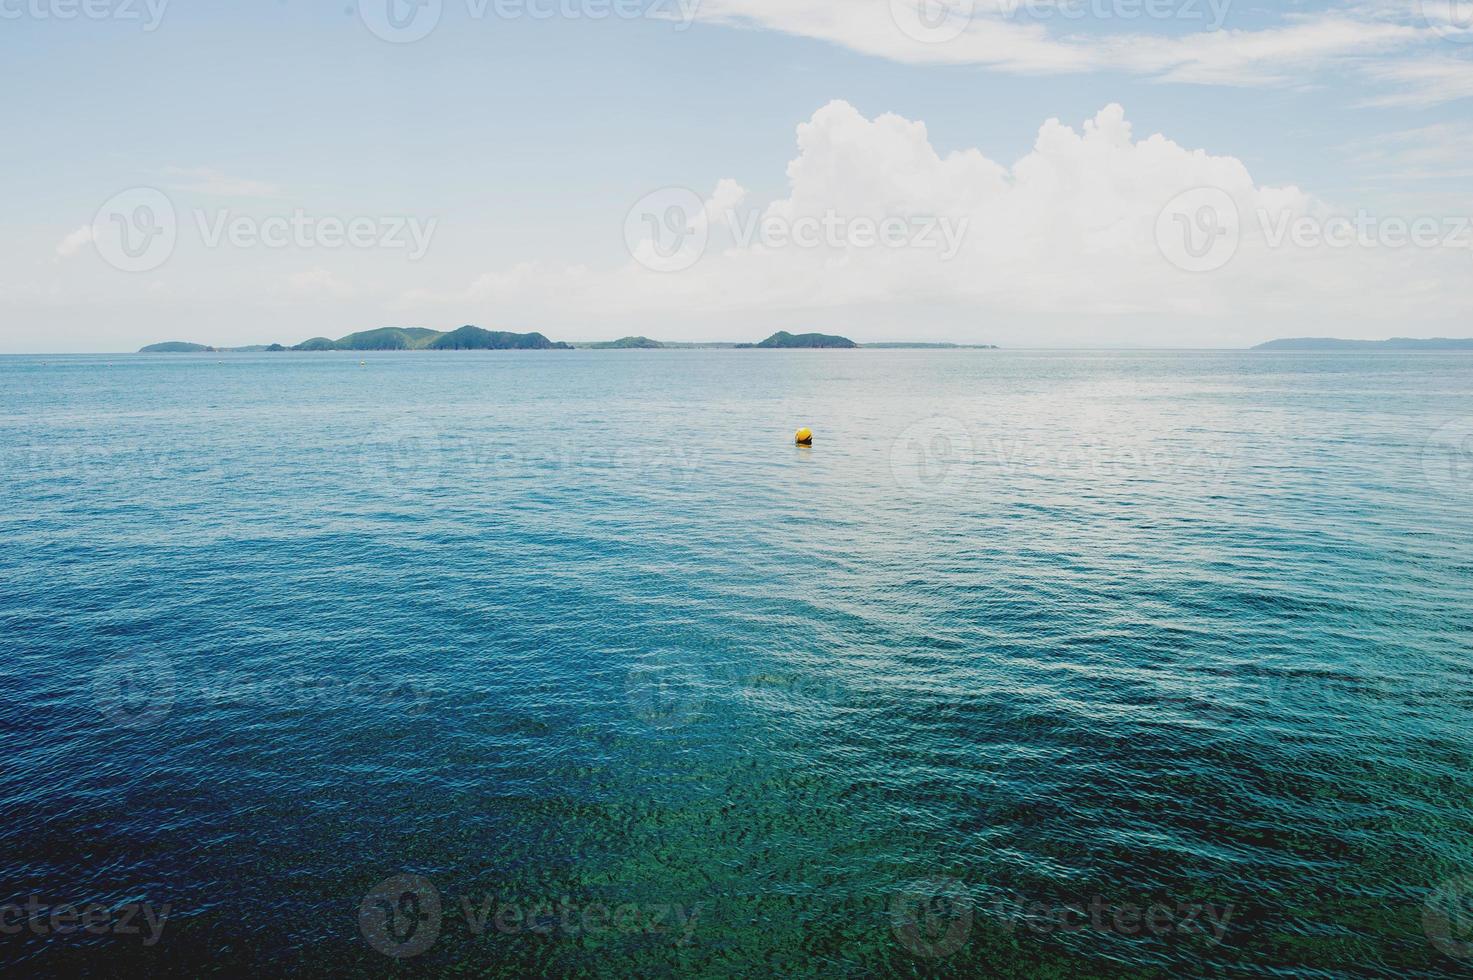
1035,664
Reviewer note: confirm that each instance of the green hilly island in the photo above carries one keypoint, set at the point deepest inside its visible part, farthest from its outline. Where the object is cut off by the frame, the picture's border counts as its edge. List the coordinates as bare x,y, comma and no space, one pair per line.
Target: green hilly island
422,338
783,339
388,338
475,338
623,343
175,347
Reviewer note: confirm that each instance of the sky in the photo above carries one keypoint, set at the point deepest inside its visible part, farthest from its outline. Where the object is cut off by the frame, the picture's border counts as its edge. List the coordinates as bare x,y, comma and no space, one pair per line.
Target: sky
1030,173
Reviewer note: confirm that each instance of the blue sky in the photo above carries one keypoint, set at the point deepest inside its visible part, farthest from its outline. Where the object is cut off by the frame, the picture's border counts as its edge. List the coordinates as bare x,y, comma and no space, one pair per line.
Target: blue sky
527,141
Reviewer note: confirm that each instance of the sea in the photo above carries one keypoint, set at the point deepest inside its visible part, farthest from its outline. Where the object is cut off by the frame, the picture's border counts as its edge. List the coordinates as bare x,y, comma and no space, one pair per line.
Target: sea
572,663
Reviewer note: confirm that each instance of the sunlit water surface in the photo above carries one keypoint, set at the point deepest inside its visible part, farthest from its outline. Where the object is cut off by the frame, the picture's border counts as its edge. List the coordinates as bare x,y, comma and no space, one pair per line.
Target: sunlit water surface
586,631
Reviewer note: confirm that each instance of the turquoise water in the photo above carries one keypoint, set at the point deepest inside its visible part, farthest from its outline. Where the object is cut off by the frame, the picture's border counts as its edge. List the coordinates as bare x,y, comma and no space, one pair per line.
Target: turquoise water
630,683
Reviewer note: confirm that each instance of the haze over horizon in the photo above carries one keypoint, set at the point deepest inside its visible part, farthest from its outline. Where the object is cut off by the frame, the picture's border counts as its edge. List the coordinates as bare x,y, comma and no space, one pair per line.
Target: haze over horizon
1020,174
1284,343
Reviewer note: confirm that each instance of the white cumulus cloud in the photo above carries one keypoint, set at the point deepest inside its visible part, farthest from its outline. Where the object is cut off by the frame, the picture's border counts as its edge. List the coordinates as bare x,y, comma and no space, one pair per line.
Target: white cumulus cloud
1072,229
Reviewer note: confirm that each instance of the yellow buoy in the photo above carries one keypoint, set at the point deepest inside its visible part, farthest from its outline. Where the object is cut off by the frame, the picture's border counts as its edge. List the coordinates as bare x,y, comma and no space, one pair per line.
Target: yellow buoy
804,436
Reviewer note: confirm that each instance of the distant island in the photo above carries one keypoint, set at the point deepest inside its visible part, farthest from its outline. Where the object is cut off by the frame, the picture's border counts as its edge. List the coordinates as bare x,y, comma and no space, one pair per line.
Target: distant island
176,347
645,343
422,338
623,343
1395,343
785,340
899,345
475,338
386,338
781,339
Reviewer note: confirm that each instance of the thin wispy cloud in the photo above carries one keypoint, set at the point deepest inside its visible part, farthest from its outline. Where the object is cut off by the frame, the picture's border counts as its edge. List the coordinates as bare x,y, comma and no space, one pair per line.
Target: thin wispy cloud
1423,83
204,180
1000,36
1438,152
